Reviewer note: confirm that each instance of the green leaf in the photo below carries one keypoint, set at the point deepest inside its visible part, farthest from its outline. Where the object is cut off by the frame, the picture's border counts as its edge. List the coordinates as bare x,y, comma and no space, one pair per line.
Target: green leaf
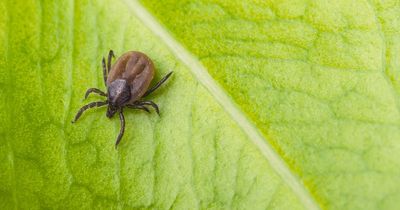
320,79
313,81
193,156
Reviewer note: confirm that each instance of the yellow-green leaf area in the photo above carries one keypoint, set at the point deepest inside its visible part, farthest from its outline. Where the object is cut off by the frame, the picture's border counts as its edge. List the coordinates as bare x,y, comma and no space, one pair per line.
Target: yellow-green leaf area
194,156
319,79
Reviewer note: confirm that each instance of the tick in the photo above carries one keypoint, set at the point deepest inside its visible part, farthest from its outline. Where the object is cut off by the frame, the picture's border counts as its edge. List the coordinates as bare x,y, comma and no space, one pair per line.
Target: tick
127,82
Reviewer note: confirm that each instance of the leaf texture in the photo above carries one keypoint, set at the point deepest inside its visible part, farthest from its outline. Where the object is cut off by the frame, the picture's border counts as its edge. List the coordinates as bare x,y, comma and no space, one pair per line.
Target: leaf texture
192,157
320,79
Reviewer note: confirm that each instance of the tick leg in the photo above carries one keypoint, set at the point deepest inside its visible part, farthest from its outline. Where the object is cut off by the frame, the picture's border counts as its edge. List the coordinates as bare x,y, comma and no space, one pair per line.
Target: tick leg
137,106
88,106
110,56
122,130
154,105
158,84
105,73
94,90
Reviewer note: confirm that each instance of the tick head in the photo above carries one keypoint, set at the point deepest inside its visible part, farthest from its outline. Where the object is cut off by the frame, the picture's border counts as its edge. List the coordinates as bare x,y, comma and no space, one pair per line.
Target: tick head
111,110
118,93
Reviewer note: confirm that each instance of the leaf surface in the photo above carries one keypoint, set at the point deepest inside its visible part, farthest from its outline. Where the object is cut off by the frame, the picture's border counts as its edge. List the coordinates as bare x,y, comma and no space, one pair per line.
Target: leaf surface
316,80
320,79
193,156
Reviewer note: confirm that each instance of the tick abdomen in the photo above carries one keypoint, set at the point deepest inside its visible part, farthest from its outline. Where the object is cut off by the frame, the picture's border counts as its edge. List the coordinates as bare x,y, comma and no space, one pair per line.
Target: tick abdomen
137,69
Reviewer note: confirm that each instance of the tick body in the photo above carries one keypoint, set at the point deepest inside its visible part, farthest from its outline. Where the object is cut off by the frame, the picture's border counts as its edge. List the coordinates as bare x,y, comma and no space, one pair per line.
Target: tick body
127,82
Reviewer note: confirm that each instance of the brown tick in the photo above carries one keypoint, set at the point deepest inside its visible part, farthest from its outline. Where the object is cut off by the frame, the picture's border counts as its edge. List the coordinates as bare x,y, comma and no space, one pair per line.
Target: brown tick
127,82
